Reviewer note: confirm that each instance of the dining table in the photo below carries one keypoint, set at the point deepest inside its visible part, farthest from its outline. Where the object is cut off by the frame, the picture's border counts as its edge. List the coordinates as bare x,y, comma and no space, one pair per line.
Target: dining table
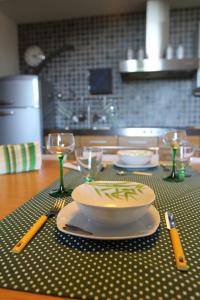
19,190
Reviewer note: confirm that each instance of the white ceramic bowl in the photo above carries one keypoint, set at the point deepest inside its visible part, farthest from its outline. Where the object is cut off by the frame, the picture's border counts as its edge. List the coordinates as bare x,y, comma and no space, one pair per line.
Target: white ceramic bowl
113,202
135,157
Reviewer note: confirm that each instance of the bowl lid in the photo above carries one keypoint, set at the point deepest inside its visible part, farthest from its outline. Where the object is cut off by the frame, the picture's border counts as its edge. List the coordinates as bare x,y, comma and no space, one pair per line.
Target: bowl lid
135,153
114,194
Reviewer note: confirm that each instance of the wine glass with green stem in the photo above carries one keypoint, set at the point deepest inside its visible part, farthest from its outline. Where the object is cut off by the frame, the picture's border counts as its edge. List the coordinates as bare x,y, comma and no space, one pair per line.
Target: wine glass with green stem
174,139
89,160
60,144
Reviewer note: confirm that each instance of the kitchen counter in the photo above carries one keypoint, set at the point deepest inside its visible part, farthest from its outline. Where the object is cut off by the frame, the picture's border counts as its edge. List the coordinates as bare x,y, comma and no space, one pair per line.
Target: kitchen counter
133,131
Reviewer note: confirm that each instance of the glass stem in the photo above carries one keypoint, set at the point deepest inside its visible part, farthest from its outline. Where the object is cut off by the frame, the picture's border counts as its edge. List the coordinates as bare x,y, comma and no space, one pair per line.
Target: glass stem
61,172
173,162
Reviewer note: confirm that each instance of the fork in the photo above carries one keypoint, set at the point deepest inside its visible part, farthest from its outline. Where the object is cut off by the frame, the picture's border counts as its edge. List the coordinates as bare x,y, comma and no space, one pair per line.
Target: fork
37,225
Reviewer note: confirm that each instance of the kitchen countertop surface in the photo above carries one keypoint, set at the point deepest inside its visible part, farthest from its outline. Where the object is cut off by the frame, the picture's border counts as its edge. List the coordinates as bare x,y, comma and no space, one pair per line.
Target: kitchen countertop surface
133,131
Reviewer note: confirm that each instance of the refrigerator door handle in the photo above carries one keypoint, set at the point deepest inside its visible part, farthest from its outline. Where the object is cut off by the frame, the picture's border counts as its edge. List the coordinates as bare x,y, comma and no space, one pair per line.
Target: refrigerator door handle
6,113
3,102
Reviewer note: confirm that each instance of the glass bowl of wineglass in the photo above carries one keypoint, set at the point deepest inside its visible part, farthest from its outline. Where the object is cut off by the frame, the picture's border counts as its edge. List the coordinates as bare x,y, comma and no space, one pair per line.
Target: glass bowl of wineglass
60,144
89,161
174,139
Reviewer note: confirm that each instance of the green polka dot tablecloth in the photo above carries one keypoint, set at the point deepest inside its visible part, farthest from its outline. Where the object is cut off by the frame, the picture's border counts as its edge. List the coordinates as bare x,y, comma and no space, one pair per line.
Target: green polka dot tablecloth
59,264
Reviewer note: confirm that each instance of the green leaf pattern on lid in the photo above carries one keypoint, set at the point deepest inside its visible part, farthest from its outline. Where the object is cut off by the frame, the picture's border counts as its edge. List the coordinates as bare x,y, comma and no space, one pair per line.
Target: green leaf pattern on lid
118,191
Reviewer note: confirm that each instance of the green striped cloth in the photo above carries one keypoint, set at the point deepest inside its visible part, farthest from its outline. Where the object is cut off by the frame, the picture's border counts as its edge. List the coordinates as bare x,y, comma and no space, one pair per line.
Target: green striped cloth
20,158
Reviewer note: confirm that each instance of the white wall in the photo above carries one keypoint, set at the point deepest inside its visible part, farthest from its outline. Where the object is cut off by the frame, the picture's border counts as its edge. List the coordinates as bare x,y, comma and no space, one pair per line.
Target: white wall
9,59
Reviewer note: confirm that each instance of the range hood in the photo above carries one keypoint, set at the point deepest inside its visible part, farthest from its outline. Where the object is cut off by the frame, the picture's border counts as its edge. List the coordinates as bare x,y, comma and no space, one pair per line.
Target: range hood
157,40
196,90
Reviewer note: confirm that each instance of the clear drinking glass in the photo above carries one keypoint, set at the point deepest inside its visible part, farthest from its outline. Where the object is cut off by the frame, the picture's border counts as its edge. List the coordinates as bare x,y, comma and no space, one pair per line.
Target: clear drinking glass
89,161
60,144
183,159
175,139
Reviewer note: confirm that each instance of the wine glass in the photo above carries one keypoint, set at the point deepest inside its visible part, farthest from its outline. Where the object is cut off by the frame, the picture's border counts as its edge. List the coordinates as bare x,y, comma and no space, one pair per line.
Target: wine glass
89,161
175,139
183,159
60,144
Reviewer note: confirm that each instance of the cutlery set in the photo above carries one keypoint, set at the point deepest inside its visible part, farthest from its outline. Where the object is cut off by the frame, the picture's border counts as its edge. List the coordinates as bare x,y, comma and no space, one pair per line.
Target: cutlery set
180,259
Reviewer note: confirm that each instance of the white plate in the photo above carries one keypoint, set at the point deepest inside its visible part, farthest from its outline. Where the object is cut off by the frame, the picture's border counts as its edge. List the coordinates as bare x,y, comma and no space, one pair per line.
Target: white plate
71,215
147,166
154,163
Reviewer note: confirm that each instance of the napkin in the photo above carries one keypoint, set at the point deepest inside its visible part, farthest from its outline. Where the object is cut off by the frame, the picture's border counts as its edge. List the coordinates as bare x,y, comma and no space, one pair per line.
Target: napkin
15,158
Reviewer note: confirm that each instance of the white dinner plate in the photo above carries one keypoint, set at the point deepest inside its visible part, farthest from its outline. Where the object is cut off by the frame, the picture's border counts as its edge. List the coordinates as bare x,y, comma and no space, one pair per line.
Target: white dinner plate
71,221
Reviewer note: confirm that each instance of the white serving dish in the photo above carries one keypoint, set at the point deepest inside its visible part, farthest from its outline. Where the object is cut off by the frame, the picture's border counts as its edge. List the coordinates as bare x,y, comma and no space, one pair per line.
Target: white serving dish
113,202
70,220
135,157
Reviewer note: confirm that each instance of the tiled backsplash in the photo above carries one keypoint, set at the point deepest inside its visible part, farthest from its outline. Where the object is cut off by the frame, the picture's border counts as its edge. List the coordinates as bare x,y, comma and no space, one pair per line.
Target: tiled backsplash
101,42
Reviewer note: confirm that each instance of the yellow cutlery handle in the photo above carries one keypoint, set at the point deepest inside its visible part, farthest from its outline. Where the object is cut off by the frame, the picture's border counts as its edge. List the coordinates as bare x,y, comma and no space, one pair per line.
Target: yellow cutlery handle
142,173
181,262
29,234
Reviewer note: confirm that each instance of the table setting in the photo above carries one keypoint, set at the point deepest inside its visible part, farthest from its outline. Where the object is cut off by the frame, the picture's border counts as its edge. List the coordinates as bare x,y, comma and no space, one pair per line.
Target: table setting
128,236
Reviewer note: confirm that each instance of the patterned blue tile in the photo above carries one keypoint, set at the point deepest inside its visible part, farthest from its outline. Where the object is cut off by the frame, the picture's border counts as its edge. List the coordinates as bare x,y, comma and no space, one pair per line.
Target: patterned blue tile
101,42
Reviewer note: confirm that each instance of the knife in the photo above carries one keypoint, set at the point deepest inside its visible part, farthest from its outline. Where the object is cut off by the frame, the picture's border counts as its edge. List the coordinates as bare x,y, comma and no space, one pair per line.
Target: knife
181,262
70,227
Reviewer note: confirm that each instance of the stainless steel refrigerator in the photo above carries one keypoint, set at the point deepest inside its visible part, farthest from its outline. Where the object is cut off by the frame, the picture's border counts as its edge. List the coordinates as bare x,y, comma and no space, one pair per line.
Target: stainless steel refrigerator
20,109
